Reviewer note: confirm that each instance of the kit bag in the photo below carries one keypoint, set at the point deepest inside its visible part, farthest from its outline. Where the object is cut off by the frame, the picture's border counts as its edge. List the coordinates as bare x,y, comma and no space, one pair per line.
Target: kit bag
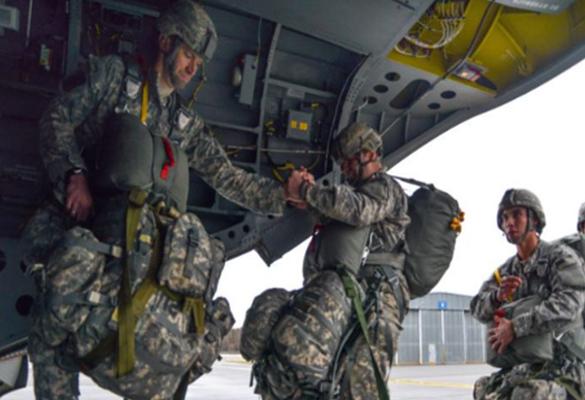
435,222
261,318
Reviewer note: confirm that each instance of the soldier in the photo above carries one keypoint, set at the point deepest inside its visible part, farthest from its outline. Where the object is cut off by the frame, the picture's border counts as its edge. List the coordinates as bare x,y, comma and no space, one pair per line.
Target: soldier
370,199
72,128
533,303
577,240
581,219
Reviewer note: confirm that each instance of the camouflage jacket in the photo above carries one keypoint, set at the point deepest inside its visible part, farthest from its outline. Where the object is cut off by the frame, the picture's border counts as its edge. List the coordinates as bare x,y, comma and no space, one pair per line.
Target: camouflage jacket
575,241
73,123
379,202
555,273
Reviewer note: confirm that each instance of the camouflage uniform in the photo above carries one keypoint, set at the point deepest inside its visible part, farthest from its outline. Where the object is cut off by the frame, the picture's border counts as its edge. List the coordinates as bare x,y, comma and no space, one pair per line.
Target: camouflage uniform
381,203
561,282
71,131
313,319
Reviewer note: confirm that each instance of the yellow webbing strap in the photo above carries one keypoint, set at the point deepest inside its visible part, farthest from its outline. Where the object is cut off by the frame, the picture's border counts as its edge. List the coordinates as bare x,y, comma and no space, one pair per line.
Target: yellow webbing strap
144,105
126,319
498,277
195,307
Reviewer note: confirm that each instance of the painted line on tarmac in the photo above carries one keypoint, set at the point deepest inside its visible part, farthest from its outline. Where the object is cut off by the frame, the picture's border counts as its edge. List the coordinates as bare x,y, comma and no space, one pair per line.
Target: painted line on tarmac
416,382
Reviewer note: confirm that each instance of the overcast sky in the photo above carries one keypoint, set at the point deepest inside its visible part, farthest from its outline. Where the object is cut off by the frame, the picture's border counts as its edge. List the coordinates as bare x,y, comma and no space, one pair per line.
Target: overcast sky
534,142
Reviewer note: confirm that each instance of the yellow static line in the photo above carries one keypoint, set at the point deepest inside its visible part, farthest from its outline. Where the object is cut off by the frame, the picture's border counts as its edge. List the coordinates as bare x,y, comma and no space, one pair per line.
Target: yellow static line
416,382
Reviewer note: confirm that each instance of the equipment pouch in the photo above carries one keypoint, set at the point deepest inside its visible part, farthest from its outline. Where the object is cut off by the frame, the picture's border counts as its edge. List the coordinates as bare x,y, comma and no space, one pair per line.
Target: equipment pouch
74,283
189,257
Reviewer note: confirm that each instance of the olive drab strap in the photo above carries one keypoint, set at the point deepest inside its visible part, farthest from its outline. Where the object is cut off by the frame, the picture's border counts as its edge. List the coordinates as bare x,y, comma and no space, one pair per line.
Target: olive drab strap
567,384
195,307
126,319
353,293
144,104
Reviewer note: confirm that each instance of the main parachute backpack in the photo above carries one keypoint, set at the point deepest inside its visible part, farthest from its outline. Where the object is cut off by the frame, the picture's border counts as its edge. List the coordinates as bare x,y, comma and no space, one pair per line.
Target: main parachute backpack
435,222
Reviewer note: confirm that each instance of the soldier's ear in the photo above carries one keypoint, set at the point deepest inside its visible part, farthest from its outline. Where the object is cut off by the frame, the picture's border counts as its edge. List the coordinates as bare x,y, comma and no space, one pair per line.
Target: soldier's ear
164,43
369,156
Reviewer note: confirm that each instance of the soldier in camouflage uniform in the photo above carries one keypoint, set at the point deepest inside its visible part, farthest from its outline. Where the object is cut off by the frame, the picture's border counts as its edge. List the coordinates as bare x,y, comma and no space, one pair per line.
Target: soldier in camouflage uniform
72,127
553,273
577,240
370,197
581,219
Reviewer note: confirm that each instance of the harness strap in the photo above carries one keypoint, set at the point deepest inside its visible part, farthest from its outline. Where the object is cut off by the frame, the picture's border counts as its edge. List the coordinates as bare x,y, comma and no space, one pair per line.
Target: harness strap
92,298
195,307
98,247
414,182
353,293
144,104
392,279
569,388
126,320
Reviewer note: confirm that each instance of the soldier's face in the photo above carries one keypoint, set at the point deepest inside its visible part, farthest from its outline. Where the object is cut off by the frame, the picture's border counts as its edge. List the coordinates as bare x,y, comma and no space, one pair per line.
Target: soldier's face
181,65
350,167
514,223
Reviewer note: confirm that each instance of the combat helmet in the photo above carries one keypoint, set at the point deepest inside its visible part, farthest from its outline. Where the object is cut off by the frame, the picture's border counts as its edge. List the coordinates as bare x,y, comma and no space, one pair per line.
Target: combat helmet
192,24
581,217
354,138
522,198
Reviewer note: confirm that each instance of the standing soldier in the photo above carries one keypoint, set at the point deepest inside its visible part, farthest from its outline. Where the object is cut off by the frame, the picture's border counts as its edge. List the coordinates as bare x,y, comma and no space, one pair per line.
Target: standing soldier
369,211
73,128
577,240
533,304
581,219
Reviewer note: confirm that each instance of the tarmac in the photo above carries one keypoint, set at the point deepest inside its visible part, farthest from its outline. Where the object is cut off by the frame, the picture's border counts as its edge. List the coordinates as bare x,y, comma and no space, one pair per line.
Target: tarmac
230,380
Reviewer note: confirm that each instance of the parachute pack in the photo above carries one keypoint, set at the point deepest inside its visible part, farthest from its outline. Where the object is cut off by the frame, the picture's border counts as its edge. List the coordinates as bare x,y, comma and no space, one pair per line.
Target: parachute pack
435,222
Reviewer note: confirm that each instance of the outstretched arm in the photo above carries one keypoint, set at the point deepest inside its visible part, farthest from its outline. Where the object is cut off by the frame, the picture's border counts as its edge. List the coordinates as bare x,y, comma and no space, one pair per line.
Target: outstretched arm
210,162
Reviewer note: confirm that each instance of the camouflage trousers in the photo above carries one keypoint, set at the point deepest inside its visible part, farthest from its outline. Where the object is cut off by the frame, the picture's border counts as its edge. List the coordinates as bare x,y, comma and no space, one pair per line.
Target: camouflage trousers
354,377
51,381
358,379
42,233
560,379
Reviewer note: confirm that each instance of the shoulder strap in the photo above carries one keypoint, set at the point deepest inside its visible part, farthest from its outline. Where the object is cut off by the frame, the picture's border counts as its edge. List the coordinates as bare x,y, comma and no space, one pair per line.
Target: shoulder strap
133,78
415,182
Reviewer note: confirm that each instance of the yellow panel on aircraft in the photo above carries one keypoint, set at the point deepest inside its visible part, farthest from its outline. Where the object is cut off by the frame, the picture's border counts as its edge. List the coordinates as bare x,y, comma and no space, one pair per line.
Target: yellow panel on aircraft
499,44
